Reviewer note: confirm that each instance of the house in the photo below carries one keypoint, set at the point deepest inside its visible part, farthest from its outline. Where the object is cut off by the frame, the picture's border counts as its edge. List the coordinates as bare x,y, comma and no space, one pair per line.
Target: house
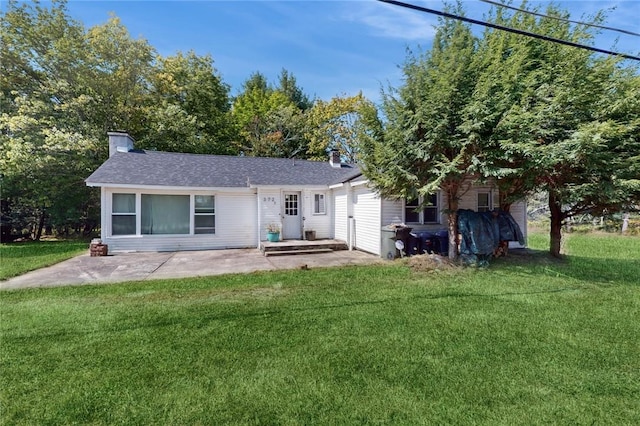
163,201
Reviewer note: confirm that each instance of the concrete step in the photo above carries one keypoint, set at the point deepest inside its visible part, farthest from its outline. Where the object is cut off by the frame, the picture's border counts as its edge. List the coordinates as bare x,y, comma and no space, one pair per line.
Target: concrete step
298,251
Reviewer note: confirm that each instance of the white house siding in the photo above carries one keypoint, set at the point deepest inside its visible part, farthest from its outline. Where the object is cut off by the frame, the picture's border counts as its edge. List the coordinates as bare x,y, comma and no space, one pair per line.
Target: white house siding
367,219
469,199
270,206
321,223
233,230
518,211
392,211
340,214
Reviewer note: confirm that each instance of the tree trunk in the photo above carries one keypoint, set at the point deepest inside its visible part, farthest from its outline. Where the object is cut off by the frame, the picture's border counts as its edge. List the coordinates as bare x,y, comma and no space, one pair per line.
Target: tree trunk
555,233
504,206
452,216
40,227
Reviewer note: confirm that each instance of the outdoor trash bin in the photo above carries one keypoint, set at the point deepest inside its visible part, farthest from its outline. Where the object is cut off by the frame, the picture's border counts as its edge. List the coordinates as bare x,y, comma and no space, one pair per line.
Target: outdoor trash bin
388,244
415,244
442,242
426,241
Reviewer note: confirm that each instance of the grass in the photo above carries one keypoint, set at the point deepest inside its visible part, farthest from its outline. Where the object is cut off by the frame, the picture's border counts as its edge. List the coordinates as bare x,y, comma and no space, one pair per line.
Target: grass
18,258
531,340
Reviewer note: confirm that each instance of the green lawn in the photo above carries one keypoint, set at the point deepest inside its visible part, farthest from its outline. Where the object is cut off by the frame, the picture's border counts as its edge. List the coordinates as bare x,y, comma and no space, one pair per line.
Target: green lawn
527,341
18,258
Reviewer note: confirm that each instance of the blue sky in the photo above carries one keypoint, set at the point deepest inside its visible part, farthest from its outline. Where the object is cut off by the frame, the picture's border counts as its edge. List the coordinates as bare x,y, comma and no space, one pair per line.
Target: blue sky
332,47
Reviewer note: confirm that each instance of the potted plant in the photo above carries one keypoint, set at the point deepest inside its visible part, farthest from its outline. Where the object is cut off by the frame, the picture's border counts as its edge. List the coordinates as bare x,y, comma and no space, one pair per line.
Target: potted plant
273,232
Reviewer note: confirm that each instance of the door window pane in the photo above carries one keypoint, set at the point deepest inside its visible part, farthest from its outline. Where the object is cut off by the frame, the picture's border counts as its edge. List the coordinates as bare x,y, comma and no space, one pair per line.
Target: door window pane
291,204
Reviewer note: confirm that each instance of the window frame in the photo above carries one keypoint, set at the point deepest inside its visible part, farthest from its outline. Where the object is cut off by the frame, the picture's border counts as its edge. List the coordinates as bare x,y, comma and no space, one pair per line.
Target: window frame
484,208
421,214
133,214
322,208
195,214
137,214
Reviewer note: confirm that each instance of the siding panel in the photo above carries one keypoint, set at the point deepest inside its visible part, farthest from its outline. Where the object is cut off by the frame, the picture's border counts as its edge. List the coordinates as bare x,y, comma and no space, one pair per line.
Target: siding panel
340,214
367,215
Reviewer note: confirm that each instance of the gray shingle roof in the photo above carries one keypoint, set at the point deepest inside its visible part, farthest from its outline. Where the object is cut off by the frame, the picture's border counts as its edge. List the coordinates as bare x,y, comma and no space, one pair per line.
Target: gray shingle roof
195,170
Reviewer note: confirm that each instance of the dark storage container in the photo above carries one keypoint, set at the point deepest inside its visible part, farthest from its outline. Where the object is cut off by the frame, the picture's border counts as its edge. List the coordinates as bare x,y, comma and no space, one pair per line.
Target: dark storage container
426,241
442,242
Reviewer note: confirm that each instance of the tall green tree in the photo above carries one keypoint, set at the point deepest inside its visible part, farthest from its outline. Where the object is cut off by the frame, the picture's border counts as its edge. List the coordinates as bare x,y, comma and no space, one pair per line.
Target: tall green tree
288,85
45,151
554,121
335,124
269,121
424,147
191,107
62,87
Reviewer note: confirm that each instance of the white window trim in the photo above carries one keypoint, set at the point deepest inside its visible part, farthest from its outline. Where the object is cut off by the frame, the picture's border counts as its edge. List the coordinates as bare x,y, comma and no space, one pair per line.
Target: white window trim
489,205
421,212
323,211
138,214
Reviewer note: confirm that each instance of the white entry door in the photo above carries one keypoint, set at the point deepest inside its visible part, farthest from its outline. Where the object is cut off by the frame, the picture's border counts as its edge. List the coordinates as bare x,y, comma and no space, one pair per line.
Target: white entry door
292,222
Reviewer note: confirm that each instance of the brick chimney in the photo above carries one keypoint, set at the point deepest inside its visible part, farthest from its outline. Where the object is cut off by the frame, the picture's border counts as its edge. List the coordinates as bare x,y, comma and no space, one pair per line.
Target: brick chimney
334,159
119,142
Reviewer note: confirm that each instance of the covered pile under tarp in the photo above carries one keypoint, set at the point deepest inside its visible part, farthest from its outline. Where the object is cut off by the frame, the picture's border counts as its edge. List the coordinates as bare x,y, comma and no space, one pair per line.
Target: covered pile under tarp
482,232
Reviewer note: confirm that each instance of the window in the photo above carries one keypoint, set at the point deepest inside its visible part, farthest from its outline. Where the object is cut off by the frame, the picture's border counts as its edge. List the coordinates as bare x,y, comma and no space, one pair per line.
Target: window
484,202
204,218
414,213
123,214
161,214
291,204
318,204
165,214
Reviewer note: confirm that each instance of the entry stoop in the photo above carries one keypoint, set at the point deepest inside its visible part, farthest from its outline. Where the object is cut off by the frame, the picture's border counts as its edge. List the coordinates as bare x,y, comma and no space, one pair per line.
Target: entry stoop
289,247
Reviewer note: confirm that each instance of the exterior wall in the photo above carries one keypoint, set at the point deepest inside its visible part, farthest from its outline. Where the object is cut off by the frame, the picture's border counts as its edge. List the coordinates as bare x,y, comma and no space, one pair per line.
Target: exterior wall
235,220
340,214
270,208
518,211
367,211
321,223
392,211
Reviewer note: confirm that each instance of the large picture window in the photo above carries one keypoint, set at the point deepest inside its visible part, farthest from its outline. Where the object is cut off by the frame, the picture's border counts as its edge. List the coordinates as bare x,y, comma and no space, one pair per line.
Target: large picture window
161,214
413,213
165,214
123,214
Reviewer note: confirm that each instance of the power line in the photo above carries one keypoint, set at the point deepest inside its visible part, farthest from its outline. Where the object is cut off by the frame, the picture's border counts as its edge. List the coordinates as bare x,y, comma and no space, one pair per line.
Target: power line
509,29
557,18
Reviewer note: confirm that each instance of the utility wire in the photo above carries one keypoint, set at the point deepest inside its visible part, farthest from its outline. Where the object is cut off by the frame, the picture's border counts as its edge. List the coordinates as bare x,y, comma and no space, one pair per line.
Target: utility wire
509,29
560,19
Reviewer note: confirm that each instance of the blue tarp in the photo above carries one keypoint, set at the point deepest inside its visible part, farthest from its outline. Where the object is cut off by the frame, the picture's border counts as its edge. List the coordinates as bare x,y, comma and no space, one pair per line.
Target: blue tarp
481,232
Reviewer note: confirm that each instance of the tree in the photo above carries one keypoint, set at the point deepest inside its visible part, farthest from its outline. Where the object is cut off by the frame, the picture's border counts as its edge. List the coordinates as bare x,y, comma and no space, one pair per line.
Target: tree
270,124
191,109
287,84
554,121
424,147
44,154
335,125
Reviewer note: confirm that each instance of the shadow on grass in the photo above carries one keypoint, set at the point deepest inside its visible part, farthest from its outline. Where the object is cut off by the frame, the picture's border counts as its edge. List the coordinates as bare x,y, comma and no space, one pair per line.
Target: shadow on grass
596,270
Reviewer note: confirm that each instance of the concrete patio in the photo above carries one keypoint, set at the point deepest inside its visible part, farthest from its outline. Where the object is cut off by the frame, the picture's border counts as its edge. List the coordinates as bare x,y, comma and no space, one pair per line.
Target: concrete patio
138,266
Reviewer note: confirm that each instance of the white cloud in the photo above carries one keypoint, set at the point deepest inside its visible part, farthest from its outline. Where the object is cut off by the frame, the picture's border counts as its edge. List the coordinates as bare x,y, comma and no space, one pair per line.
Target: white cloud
392,21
